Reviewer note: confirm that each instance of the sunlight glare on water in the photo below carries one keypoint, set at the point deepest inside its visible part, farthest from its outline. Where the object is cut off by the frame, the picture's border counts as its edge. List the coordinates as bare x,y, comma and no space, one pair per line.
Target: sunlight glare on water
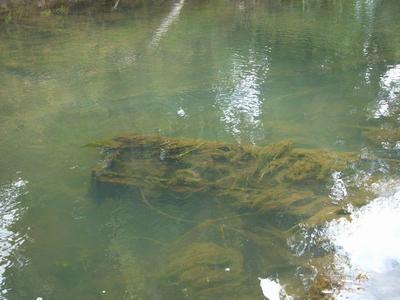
10,212
370,240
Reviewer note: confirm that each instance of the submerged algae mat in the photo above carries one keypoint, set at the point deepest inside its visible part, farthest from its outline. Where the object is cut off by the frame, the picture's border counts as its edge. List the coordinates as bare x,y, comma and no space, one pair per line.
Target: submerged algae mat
212,258
278,176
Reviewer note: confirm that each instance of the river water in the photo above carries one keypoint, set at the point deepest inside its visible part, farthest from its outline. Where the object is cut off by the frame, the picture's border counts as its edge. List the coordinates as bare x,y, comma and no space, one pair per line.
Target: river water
249,72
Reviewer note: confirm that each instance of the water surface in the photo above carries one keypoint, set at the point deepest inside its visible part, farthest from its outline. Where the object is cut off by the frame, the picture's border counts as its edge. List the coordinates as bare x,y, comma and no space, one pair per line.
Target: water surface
248,72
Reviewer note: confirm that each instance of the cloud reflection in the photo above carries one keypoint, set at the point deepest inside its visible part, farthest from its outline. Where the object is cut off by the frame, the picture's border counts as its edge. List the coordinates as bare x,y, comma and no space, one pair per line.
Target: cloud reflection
370,242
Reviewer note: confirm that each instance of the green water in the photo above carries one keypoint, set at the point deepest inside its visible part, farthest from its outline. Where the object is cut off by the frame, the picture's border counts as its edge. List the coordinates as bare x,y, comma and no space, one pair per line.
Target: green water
249,72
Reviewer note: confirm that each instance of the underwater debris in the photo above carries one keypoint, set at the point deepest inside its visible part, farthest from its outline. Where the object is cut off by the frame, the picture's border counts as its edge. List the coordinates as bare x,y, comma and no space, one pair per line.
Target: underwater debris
278,176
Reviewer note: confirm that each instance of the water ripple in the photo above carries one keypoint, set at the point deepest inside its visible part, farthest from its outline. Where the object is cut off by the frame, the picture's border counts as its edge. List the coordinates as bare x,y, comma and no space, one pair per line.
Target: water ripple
10,213
238,95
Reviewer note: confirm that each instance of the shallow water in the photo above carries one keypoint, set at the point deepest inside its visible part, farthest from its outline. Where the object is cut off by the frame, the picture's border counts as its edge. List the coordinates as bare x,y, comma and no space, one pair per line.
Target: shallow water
249,72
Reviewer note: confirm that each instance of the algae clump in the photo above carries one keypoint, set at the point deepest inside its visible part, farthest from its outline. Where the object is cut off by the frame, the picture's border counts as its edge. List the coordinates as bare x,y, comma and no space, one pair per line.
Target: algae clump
244,189
205,266
278,176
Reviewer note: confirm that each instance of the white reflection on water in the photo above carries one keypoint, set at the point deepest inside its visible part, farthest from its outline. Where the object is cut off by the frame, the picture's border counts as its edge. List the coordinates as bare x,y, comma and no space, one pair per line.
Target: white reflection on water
273,290
365,13
368,5
238,95
166,23
389,95
338,189
369,243
10,212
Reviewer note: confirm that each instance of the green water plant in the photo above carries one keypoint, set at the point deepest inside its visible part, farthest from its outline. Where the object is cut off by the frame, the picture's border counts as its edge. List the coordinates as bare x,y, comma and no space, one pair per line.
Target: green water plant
8,18
46,13
61,10
208,262
246,187
204,268
260,179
